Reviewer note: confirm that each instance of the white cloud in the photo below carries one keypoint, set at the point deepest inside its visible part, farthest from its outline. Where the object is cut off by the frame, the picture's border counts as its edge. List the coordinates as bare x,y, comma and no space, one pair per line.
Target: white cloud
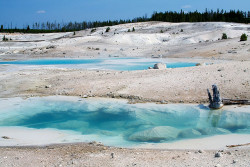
41,11
186,6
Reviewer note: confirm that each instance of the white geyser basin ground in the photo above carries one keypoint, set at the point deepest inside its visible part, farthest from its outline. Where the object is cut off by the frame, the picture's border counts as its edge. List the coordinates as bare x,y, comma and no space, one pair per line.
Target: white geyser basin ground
59,119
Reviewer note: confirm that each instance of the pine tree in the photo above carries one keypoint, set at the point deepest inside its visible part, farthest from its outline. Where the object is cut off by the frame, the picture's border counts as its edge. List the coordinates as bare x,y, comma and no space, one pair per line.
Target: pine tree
243,37
224,36
108,29
5,39
28,28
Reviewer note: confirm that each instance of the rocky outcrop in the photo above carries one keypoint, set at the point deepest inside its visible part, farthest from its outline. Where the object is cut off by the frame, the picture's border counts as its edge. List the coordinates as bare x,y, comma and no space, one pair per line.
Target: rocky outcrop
160,66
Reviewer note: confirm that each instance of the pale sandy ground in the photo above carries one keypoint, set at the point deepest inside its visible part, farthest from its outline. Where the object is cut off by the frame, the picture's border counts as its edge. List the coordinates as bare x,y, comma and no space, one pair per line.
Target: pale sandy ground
89,155
198,41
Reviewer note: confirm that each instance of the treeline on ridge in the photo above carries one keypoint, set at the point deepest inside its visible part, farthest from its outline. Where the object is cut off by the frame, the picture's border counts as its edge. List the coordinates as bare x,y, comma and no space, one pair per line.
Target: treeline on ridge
169,16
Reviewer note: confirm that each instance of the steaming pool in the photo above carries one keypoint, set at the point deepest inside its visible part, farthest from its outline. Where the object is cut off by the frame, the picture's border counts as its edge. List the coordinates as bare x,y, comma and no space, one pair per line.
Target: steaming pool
120,64
114,122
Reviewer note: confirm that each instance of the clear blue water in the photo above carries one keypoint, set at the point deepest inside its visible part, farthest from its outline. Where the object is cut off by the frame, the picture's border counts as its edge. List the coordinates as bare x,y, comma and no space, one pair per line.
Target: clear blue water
120,64
126,124
53,61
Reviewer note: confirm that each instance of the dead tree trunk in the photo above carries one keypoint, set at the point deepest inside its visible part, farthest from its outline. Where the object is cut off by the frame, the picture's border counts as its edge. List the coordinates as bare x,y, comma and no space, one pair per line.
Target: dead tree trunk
215,102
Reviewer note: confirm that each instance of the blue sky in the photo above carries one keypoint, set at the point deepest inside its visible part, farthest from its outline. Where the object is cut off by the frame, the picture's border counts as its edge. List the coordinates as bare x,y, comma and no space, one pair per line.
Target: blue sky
23,12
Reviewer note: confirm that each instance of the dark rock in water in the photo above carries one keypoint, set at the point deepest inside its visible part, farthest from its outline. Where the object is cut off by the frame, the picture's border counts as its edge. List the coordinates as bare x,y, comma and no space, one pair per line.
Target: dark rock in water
215,102
160,66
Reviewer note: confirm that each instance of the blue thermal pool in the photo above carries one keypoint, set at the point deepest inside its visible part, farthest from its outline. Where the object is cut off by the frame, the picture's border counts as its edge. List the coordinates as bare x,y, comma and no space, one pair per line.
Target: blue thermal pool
116,123
120,64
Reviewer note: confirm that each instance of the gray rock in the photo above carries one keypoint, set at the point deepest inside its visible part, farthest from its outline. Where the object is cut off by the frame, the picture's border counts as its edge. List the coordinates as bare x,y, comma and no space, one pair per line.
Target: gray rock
51,47
201,151
92,143
155,134
99,144
235,161
160,66
221,69
5,137
218,154
112,155
164,102
47,86
200,64
85,96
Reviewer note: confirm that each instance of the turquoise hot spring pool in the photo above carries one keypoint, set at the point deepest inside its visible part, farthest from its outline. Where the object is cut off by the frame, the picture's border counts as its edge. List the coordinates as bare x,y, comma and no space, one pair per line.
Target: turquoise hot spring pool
120,64
117,123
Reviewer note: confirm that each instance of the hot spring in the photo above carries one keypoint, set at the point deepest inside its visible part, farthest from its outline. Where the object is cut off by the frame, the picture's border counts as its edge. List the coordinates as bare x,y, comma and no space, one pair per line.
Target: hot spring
117,123
119,64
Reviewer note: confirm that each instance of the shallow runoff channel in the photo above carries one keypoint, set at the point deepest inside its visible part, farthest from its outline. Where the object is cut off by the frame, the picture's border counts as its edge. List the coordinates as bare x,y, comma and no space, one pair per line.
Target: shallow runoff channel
120,64
59,119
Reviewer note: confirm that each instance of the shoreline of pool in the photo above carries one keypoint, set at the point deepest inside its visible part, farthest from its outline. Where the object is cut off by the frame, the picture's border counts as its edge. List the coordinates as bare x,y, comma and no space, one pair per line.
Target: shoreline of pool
28,137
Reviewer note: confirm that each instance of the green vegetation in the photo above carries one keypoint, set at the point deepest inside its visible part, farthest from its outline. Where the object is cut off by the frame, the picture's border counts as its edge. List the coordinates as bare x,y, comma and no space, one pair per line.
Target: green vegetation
63,29
129,30
168,16
93,30
6,39
181,30
224,36
28,28
74,33
108,29
133,30
243,37
161,31
207,16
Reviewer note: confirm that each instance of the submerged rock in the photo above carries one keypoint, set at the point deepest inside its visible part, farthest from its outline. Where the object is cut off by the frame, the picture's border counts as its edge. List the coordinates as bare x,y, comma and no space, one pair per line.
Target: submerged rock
189,133
155,134
211,131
